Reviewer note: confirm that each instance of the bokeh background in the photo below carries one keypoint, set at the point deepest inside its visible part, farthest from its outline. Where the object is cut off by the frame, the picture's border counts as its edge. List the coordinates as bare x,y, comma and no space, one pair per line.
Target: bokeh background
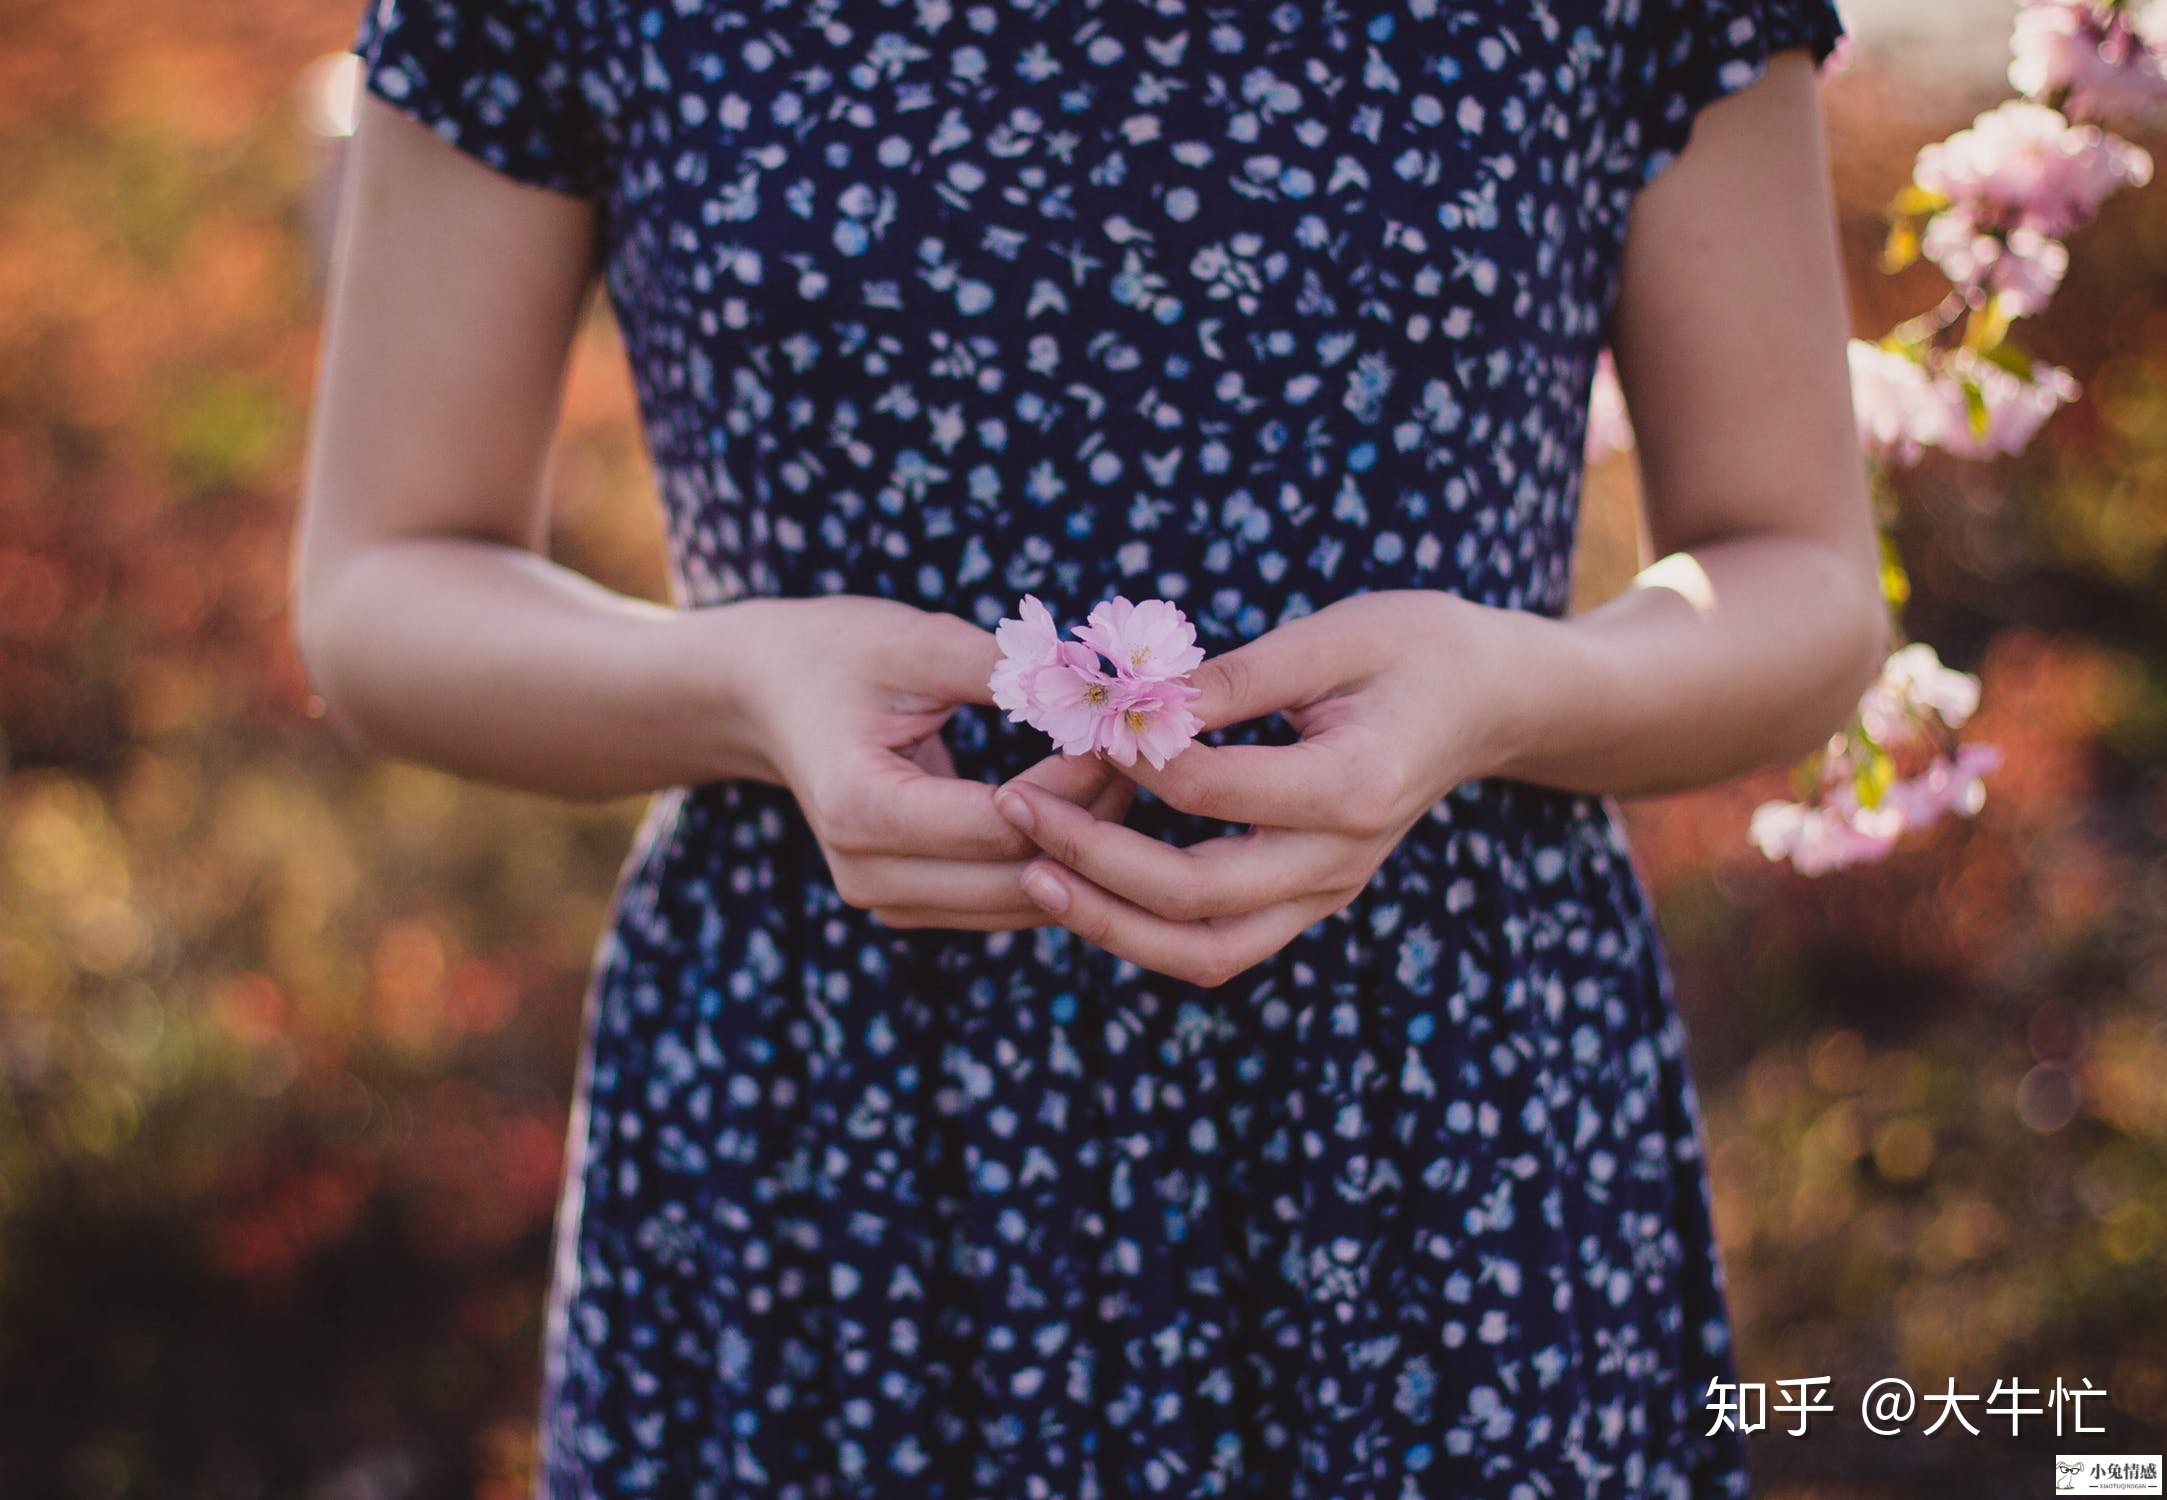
287,1035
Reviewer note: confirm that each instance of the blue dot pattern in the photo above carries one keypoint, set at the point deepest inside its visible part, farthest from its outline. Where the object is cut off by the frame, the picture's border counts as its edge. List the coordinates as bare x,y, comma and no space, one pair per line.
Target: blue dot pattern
1252,307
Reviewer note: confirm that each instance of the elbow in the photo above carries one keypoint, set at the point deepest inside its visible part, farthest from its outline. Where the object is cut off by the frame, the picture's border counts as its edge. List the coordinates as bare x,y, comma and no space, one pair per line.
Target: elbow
1842,612
318,643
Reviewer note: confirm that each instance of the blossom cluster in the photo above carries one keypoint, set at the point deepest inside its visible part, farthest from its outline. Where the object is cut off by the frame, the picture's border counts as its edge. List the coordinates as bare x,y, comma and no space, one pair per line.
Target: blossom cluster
1991,208
2004,192
1965,404
2103,59
1862,803
1141,707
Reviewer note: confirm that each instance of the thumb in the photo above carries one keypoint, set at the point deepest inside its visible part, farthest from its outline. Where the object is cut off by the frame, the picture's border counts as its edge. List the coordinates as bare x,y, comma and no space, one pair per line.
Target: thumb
1289,665
1073,778
947,661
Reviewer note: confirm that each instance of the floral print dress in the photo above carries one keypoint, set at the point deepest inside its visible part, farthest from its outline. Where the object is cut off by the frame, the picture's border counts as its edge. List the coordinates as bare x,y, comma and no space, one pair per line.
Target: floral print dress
1250,306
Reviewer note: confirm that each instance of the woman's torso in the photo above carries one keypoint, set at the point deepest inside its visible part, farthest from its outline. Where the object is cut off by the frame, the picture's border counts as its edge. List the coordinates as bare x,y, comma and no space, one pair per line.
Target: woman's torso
1248,307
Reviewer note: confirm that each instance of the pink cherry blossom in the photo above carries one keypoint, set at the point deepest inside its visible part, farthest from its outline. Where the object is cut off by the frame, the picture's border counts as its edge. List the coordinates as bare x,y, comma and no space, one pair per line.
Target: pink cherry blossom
1946,786
2015,406
1910,713
1818,839
1899,412
2023,163
1905,405
1071,703
1032,641
1058,686
2020,266
1150,640
1833,830
2100,61
1913,683
1149,716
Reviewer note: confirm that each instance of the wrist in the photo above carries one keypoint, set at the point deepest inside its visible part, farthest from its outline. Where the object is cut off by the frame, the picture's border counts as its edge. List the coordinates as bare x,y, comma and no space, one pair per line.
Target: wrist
1530,674
720,647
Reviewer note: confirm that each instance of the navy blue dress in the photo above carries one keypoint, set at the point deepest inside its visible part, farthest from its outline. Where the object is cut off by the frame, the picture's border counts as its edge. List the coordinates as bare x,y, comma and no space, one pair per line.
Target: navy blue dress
1252,307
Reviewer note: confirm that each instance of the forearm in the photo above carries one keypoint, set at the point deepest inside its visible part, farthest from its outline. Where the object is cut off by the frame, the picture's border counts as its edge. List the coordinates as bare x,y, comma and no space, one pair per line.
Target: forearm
1739,654
491,662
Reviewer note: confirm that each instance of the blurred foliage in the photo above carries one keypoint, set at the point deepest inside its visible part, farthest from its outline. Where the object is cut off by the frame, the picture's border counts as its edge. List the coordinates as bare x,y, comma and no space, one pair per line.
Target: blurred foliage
287,1036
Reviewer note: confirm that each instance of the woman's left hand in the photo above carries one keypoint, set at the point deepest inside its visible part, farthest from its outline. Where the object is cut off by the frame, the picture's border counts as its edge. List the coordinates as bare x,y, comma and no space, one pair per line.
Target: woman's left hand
1396,696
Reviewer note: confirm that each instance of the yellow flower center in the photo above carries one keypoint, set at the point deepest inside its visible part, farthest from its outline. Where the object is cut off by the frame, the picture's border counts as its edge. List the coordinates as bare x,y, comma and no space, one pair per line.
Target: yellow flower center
1095,693
1137,720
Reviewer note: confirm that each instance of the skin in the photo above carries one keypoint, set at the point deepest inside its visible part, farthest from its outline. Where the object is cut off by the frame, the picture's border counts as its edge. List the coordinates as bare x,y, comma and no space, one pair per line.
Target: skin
435,628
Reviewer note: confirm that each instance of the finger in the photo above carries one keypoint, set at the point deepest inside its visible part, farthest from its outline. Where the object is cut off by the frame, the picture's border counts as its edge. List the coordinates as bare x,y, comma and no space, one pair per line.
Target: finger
965,907
1206,953
1219,877
946,661
1114,799
872,880
887,804
1086,780
1289,665
1014,919
1073,778
883,804
1078,778
1325,783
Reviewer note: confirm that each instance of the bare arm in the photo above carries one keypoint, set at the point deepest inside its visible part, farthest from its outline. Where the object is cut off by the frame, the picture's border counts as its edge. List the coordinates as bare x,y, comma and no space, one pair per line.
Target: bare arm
1750,638
436,630
428,618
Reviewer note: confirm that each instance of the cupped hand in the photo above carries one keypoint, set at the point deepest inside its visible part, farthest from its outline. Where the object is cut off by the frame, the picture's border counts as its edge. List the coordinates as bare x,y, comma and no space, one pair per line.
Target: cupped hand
845,696
1392,693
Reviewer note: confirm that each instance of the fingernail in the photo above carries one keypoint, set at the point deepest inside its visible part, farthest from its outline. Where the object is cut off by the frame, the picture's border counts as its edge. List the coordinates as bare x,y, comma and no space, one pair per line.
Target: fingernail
1013,808
1046,891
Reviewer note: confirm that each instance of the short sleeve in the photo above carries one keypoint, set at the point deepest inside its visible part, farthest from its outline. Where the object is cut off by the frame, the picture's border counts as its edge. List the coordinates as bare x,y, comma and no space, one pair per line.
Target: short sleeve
499,79
1688,53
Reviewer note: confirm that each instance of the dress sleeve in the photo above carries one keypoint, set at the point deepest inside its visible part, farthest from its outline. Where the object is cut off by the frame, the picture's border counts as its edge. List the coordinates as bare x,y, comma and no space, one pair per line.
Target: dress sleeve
499,79
1687,53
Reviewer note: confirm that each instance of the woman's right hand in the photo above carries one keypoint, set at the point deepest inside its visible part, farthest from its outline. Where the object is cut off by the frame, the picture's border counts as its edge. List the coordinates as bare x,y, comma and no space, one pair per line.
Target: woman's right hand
842,698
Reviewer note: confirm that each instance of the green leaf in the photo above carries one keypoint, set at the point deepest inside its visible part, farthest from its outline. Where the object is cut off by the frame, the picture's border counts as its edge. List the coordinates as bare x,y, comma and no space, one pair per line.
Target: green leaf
1886,505
2009,357
1901,248
1875,775
1806,776
1975,412
1897,342
1913,201
1985,329
1895,582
